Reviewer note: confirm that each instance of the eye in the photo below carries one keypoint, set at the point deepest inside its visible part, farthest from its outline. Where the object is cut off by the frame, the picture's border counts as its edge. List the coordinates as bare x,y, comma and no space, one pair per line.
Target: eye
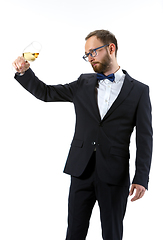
92,51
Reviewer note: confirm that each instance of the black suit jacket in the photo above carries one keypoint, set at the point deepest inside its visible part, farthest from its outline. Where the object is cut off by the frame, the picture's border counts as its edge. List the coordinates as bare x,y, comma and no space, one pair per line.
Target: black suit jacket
111,135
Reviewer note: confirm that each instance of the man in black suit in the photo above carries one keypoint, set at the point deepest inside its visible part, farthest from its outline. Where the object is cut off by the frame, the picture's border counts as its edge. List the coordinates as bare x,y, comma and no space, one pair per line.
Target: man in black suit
109,104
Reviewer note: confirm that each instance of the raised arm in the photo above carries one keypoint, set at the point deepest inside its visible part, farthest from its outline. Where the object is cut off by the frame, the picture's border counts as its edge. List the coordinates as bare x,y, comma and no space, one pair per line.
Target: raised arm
47,93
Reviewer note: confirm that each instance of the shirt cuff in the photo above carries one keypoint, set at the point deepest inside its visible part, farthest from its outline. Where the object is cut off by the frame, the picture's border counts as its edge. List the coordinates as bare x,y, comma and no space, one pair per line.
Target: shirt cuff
19,74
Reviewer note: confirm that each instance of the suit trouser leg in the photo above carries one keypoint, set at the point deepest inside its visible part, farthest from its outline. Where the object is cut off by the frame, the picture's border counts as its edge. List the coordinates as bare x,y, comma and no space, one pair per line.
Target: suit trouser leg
81,202
112,201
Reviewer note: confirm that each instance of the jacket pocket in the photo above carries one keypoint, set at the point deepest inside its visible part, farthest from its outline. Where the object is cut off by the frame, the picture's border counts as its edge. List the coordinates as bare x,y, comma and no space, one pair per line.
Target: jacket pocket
119,152
77,143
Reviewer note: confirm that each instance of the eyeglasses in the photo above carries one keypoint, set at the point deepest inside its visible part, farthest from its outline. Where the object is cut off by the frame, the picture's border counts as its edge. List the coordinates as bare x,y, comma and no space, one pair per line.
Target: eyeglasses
93,52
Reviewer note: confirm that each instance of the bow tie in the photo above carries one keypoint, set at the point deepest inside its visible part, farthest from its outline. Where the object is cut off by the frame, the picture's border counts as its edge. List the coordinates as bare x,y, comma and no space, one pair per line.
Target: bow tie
101,76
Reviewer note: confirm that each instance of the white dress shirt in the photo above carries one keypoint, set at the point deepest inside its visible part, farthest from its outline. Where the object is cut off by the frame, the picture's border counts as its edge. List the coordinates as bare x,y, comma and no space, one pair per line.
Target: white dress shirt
108,91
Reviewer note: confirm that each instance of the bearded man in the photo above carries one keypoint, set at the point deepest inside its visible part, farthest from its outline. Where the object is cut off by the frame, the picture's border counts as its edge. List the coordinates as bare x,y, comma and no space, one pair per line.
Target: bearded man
109,104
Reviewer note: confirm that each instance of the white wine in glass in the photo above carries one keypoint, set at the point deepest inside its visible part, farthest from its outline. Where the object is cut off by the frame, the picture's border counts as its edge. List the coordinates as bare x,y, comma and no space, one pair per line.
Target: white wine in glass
30,56
32,51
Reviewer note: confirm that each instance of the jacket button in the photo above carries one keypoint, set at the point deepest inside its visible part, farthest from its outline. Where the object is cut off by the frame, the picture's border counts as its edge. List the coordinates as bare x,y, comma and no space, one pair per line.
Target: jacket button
93,143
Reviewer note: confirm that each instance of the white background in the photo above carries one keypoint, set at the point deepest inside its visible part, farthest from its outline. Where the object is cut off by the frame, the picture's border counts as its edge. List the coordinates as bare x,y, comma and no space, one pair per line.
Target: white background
33,143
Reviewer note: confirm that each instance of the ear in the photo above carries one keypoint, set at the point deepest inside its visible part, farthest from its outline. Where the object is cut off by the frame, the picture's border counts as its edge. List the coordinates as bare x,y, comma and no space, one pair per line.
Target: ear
112,48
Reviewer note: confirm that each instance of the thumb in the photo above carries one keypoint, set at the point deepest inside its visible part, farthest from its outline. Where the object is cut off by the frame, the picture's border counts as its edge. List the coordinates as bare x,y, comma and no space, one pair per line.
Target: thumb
132,190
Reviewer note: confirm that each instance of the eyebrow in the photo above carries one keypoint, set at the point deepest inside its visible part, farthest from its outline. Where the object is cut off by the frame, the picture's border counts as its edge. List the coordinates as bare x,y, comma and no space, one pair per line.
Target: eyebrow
90,50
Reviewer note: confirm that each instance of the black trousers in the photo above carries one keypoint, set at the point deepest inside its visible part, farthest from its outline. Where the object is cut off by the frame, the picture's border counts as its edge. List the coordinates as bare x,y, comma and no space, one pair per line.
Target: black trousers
84,192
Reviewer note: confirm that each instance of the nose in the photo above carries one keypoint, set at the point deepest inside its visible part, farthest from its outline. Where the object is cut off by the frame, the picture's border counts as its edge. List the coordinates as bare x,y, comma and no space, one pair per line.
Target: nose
90,58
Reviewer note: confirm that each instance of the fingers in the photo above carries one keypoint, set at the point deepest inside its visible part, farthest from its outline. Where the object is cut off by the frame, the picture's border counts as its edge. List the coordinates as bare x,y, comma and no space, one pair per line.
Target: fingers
21,65
140,191
137,196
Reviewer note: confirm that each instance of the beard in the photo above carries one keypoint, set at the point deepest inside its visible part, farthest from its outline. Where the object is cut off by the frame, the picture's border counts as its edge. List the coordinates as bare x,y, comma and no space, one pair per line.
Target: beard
103,66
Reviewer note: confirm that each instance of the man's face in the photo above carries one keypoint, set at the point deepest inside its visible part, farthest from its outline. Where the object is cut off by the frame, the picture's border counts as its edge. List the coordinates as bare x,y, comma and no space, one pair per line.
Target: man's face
102,62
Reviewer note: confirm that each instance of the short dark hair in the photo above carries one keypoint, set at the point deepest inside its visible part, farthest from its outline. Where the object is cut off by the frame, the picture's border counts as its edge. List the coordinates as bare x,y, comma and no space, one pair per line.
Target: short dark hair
105,36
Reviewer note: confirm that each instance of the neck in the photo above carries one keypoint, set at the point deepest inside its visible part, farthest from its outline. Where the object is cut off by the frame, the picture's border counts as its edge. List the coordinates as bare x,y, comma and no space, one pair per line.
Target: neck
113,69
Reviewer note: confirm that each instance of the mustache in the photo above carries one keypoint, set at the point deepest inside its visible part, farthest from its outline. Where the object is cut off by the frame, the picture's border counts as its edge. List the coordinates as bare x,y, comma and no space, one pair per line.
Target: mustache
92,63
101,63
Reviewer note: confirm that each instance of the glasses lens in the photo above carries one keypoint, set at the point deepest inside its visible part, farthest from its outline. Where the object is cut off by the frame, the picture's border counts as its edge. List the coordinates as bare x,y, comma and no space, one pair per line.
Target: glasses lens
93,53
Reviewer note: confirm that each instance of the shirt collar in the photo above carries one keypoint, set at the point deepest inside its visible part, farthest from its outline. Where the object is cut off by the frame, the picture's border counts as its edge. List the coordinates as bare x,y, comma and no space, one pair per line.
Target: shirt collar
118,75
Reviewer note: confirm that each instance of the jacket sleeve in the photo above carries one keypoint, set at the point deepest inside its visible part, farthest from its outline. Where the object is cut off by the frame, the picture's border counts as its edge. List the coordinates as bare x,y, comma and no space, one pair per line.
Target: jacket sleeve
144,139
47,93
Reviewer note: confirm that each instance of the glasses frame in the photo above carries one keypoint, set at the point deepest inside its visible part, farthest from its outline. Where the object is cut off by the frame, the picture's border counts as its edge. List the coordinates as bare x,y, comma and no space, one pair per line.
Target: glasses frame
85,57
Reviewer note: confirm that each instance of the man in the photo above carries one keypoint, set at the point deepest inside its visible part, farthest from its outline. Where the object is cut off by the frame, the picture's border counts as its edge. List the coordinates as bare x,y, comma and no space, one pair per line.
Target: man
108,105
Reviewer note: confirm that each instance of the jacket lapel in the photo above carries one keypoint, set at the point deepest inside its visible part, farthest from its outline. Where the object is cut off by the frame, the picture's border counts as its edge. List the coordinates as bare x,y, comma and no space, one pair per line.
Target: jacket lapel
92,94
126,88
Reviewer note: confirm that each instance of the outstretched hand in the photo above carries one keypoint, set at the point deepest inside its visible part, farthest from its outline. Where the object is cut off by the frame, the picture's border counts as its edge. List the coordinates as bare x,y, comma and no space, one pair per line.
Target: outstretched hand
140,191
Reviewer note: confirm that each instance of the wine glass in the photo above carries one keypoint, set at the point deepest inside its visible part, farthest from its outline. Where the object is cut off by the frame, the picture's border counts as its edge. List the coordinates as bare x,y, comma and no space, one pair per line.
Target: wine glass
31,52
